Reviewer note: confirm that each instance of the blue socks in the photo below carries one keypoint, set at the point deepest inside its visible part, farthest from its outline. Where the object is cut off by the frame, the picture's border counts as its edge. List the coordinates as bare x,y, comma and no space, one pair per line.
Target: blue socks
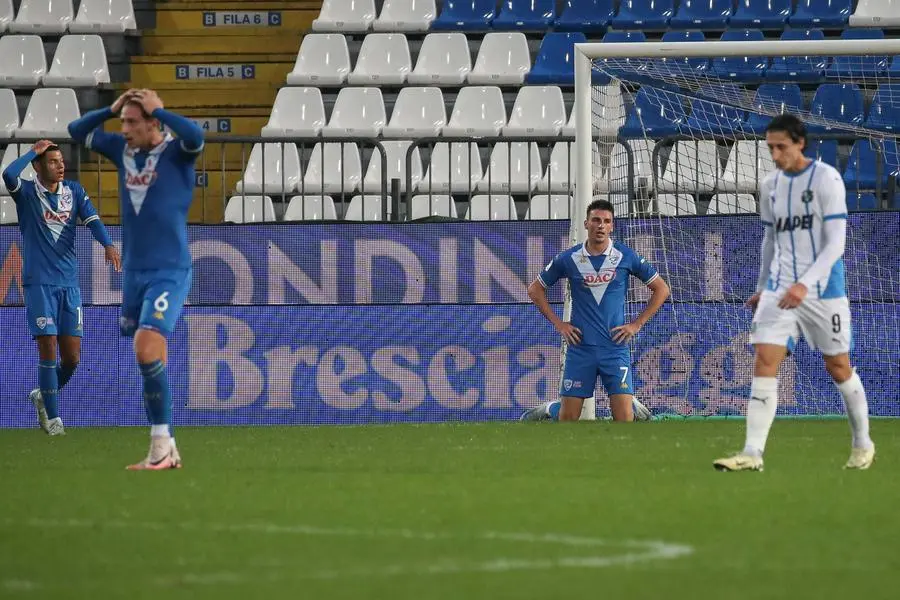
553,409
49,386
64,374
157,397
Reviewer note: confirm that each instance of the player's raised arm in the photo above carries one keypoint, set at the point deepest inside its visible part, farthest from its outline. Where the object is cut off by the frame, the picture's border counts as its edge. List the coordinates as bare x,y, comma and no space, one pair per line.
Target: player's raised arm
88,130
190,134
14,169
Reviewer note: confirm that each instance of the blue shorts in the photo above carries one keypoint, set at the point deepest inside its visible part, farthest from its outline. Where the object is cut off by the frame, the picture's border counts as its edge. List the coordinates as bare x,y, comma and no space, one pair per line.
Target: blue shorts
585,363
153,300
53,310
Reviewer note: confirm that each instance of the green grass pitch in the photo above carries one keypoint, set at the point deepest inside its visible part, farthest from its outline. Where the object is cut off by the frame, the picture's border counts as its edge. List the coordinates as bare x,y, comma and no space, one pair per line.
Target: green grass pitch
462,511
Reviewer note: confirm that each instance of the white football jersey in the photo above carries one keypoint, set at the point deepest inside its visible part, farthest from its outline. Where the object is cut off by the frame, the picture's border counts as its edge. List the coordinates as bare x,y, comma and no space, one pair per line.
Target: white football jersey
796,206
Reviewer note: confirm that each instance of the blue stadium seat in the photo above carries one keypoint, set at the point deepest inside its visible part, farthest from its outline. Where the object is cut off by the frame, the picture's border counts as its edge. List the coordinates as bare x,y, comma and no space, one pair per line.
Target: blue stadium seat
824,150
773,97
525,14
884,113
741,68
656,113
837,103
554,61
821,13
862,172
864,201
761,14
465,15
619,37
713,118
586,15
643,14
806,69
681,63
702,14
859,66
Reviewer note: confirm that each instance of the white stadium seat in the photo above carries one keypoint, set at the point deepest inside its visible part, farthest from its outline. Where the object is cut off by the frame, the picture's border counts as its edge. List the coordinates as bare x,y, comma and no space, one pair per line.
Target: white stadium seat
405,15
432,205
748,164
607,112
615,176
249,209
323,59
726,204
8,213
561,170
22,60
43,16
357,112
345,16
543,206
676,204
503,59
876,13
444,59
80,61
539,110
331,171
310,208
104,16
273,168
395,152
297,112
383,59
513,167
418,112
692,167
7,14
49,113
12,152
364,208
494,207
9,113
456,170
478,111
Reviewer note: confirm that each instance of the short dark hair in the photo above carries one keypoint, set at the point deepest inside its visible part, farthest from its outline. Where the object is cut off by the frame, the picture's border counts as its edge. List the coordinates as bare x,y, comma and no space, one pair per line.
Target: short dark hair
789,124
50,148
140,106
600,205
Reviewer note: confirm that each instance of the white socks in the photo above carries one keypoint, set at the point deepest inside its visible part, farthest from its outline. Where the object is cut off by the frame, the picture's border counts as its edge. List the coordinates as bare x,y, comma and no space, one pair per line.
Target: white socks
159,431
857,410
760,413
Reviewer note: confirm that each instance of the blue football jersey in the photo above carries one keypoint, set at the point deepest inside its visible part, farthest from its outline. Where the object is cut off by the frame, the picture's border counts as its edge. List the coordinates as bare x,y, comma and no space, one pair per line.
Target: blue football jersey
47,222
599,286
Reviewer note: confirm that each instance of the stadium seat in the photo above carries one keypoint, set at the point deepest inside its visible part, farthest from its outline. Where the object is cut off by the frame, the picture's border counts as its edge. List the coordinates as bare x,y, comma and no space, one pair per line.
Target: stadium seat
634,64
805,69
310,208
552,206
80,61
8,214
12,152
617,175
273,168
871,165
493,207
383,59
773,98
345,16
749,162
741,68
607,111
555,59
249,209
396,152
824,150
561,169
729,204
357,112
297,112
884,112
405,15
836,103
49,113
7,14
714,118
845,68
444,59
478,111
643,14
525,14
364,208
589,16
864,201
503,59
656,113
455,170
418,112
9,113
104,16
684,64
676,204
761,14
465,15
22,60
821,13
43,16
692,167
702,14
538,111
513,168
871,13
432,205
333,168
324,59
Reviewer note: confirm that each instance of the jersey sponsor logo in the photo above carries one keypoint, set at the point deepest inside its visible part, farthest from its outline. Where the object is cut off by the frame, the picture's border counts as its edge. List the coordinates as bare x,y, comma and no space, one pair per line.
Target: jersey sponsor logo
601,277
56,217
801,222
142,179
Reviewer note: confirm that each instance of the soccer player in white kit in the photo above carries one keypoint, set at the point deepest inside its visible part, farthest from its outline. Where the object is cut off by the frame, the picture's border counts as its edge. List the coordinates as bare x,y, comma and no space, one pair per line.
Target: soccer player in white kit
800,289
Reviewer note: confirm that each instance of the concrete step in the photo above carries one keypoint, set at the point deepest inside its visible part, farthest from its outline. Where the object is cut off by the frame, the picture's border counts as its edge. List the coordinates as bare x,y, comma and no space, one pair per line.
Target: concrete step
210,73
216,41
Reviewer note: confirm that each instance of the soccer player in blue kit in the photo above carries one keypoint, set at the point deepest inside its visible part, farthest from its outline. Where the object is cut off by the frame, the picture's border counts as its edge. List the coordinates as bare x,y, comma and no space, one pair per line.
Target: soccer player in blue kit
598,336
156,185
49,208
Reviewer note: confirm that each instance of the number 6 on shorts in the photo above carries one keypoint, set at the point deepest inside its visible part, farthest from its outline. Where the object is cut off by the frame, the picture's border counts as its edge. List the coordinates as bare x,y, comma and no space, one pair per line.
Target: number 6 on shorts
161,304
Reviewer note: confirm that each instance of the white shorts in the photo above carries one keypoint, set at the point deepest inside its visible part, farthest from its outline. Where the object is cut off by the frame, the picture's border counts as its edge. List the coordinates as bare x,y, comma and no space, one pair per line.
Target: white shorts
825,324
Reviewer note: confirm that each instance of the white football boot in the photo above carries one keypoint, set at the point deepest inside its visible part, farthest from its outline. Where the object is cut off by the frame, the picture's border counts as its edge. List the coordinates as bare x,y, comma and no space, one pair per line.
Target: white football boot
739,462
38,401
861,458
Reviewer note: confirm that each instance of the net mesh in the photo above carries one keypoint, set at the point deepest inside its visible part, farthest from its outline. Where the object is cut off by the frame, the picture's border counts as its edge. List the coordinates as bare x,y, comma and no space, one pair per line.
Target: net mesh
678,137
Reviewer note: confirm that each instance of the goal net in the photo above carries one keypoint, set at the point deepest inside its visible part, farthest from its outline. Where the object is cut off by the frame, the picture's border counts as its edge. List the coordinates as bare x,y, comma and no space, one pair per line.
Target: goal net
673,134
